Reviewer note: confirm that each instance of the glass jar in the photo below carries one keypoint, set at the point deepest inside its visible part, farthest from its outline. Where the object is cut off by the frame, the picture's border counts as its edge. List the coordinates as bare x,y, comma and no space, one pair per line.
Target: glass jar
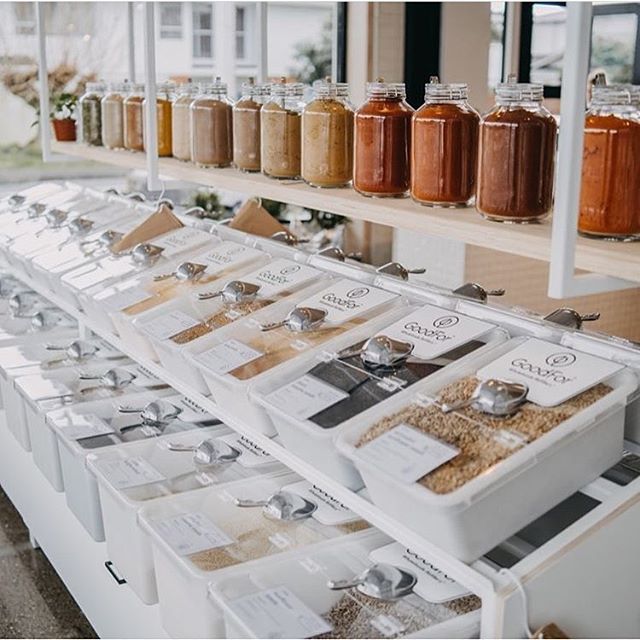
212,126
165,94
516,158
181,121
133,118
111,111
383,141
327,137
90,114
444,133
610,192
246,126
281,131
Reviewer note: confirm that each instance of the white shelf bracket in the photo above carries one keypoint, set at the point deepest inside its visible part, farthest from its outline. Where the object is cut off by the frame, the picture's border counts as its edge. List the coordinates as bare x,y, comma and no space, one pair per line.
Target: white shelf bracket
150,112
563,282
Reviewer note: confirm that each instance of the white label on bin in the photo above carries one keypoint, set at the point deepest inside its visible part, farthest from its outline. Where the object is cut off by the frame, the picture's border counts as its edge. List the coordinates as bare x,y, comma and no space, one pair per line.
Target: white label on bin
281,275
99,272
251,455
86,426
181,240
125,298
433,331
406,453
344,300
280,540
329,510
432,584
388,626
228,356
305,396
278,613
125,473
227,254
169,324
191,412
553,373
190,533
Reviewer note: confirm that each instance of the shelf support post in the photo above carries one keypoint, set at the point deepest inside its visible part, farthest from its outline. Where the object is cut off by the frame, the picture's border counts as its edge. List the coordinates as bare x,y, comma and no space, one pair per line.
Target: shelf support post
562,279
262,9
131,45
151,108
43,83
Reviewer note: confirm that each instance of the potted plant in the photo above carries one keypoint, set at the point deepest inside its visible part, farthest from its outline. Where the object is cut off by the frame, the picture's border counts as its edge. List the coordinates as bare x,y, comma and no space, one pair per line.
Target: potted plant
63,116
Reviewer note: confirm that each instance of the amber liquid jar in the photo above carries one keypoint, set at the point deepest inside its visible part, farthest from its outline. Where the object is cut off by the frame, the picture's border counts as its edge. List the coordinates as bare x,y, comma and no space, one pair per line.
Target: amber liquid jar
327,137
165,94
181,122
610,190
281,131
246,126
111,110
444,150
516,157
382,142
133,119
212,127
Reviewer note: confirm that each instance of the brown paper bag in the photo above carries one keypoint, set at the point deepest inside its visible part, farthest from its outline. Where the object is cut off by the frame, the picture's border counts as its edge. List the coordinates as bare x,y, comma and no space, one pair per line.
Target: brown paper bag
251,217
162,221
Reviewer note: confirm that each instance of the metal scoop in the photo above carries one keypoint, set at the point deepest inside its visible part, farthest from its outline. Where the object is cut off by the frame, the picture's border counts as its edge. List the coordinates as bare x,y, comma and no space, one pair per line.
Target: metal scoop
155,412
114,379
380,351
106,239
80,226
50,317
208,452
15,201
567,317
288,238
184,272
283,505
233,292
475,291
20,303
56,217
336,253
381,581
495,397
77,350
298,320
9,286
145,254
396,270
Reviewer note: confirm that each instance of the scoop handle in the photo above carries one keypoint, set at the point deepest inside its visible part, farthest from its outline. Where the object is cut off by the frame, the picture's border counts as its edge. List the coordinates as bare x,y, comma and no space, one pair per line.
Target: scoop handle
456,406
164,276
176,446
241,502
339,585
210,295
273,325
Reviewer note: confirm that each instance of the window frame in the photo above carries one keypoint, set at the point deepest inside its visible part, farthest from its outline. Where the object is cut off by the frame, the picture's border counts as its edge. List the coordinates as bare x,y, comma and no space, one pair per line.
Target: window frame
177,31
197,31
526,32
248,33
25,27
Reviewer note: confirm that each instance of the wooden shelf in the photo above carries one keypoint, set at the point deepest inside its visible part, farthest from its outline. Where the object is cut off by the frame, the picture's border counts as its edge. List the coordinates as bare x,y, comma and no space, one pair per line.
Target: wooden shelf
621,260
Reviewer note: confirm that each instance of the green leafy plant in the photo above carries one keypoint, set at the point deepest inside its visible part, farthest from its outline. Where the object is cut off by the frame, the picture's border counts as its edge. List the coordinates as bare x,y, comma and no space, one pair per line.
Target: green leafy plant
210,202
63,106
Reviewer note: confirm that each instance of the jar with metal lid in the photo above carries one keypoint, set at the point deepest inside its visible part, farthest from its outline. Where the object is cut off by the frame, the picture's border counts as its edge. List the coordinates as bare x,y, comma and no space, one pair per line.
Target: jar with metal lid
90,129
246,126
281,131
444,146
382,147
111,111
165,94
212,126
327,136
181,121
134,118
610,191
516,158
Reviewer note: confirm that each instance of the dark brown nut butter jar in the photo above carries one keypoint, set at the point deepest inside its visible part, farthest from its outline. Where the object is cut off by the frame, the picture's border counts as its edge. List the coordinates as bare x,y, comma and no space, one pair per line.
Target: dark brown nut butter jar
444,149
382,148
516,158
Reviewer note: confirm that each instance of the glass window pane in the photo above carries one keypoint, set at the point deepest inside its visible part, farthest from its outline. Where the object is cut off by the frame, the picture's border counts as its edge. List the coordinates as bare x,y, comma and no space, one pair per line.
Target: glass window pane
548,38
170,14
240,12
496,48
613,45
240,52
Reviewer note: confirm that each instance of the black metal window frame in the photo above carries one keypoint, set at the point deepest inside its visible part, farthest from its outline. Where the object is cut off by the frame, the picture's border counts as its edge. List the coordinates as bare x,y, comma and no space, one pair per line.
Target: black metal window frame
526,31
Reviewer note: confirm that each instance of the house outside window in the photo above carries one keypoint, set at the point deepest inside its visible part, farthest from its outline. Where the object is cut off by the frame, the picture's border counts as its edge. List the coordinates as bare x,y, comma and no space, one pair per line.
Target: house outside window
244,22
170,20
25,13
202,31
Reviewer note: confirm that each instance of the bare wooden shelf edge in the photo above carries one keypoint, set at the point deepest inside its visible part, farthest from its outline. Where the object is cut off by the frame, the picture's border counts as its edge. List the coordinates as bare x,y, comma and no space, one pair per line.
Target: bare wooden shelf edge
621,260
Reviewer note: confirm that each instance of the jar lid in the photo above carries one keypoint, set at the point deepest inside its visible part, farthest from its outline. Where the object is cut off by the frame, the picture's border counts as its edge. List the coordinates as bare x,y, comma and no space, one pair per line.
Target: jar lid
512,91
95,87
118,87
633,89
186,88
215,88
436,90
327,89
382,89
256,90
135,87
611,95
287,89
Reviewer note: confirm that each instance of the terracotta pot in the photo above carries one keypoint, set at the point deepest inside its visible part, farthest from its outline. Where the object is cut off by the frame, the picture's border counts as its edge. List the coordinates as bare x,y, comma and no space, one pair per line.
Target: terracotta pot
65,130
